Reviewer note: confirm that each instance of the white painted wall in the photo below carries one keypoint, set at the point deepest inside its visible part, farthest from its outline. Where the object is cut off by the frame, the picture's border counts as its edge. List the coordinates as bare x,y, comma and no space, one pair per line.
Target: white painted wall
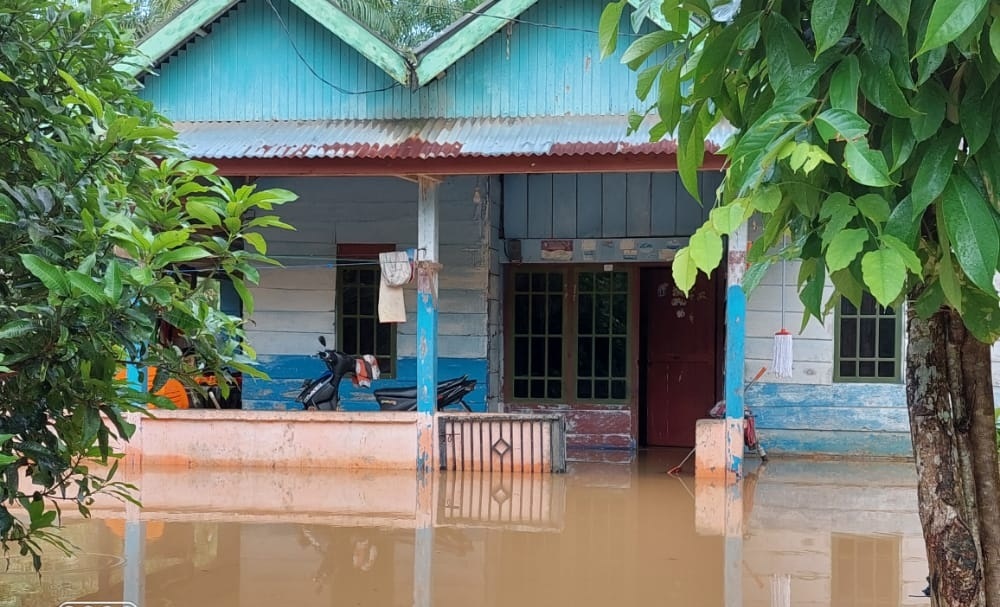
296,303
812,349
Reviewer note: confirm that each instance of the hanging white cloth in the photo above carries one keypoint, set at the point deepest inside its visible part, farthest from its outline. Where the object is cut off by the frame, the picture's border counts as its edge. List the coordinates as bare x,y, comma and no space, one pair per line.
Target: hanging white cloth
396,272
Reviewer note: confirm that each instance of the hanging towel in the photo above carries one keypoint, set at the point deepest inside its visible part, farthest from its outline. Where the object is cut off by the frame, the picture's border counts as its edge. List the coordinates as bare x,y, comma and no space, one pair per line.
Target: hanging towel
396,272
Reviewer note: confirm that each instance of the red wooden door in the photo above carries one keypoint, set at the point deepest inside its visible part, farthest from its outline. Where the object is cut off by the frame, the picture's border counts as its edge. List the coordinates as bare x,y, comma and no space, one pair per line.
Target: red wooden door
681,373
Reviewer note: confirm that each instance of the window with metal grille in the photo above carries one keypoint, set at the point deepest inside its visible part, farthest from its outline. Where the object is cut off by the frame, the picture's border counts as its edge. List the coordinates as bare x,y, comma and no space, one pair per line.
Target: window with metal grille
867,342
358,329
568,335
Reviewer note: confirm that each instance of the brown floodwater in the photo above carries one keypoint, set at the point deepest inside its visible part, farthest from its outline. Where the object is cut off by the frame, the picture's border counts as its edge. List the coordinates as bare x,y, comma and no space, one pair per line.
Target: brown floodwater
799,533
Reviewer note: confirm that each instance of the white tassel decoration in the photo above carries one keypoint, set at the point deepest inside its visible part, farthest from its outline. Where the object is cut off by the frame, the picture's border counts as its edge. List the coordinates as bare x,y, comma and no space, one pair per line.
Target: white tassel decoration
781,362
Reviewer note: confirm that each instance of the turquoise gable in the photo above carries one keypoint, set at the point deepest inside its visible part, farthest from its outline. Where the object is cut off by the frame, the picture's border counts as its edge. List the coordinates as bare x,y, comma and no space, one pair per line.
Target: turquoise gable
247,69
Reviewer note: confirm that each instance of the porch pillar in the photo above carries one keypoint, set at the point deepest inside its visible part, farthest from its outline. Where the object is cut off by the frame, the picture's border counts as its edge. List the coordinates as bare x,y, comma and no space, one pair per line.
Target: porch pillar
427,319
736,311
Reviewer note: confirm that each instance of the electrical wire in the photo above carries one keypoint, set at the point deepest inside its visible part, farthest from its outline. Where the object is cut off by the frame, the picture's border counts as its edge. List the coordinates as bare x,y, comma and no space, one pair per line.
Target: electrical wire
312,70
410,3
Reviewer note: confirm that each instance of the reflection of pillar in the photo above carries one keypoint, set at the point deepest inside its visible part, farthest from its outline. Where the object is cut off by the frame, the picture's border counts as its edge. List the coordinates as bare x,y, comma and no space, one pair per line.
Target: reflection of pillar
733,563
427,319
736,311
134,583
423,548
781,590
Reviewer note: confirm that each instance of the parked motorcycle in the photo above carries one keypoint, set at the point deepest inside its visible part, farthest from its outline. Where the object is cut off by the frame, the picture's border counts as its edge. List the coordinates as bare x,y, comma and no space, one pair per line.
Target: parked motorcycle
323,392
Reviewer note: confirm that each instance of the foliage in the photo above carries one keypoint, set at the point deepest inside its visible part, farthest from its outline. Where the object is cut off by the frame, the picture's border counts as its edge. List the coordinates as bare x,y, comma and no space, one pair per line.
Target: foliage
408,23
100,218
868,129
145,15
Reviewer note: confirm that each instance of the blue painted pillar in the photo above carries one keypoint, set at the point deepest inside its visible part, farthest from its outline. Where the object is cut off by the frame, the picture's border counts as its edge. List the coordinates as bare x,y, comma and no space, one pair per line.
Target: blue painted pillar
427,319
736,312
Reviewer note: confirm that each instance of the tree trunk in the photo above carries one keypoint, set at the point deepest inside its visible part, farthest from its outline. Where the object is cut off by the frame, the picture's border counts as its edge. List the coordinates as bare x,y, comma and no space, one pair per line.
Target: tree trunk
949,392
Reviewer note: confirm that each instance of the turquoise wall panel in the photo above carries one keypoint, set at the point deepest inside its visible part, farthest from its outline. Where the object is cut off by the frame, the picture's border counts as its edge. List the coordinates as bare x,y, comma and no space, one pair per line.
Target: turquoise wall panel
247,69
833,419
287,372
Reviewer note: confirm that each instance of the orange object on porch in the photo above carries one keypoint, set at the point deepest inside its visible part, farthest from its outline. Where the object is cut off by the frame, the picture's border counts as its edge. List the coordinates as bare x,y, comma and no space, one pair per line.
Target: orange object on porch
173,389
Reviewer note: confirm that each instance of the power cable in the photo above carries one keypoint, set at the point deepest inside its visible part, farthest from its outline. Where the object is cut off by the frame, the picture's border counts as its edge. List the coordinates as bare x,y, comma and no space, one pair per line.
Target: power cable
454,9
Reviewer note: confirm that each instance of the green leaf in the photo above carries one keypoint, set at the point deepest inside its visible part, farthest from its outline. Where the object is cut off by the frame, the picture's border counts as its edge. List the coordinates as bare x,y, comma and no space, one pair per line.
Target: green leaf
180,256
844,84
713,64
706,248
838,212
6,460
903,223
691,148
645,79
866,166
949,19
899,10
995,37
51,276
929,62
669,101
982,315
934,170
847,286
727,218
901,142
113,280
811,295
87,285
203,212
5,78
754,274
13,330
245,296
972,230
930,103
878,83
766,199
168,239
949,282
874,207
930,301
905,253
607,28
641,49
976,116
684,270
885,274
842,124
257,241
844,248
829,19
786,53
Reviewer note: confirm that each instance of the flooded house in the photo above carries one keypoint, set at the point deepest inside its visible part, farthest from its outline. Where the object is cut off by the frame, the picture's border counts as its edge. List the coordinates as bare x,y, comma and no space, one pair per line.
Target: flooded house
497,155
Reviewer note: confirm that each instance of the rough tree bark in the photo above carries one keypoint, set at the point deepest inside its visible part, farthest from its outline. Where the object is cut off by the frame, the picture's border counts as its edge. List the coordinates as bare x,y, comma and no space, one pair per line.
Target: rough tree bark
950,397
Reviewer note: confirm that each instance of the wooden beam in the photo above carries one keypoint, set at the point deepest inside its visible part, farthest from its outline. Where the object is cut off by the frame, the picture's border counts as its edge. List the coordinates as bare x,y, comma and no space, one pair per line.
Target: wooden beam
469,165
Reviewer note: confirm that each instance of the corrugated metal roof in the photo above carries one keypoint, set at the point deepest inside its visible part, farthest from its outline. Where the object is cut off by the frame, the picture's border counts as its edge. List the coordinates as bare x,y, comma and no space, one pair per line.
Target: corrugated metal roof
431,138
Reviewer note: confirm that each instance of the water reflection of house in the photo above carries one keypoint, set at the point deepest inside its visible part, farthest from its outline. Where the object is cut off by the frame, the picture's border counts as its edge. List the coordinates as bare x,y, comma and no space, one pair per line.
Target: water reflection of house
556,229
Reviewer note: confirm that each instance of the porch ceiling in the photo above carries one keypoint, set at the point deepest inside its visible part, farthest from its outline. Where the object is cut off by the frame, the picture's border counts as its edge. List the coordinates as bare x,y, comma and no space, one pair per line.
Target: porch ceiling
436,145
